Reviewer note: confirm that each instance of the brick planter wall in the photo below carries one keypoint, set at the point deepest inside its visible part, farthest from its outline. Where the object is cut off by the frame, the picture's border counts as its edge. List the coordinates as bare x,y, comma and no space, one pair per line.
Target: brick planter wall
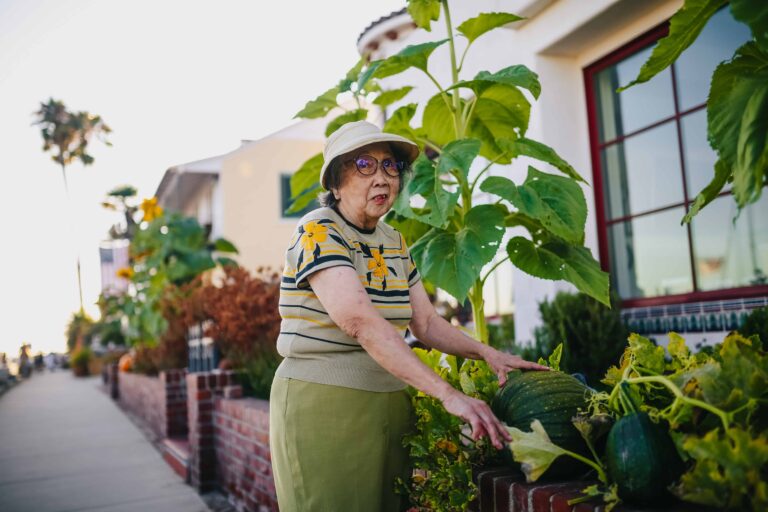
505,490
160,402
242,451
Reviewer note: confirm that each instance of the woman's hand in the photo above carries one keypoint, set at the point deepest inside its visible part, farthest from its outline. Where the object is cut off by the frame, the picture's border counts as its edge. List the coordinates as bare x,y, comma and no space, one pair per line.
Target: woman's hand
503,363
479,416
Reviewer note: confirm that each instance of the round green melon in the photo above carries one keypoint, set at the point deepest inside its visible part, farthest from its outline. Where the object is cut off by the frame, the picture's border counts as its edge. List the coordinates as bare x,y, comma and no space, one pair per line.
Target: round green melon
553,398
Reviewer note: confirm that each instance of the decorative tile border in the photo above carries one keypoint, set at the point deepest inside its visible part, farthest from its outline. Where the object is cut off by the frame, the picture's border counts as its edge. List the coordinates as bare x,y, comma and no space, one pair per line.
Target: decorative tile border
693,317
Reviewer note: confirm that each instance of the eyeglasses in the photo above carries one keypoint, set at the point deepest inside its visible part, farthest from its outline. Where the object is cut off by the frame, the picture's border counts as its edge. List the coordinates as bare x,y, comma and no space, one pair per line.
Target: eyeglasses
367,165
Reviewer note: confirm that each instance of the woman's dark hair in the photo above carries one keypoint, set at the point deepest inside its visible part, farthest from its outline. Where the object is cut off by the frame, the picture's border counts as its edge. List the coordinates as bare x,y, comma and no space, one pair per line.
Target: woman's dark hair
334,171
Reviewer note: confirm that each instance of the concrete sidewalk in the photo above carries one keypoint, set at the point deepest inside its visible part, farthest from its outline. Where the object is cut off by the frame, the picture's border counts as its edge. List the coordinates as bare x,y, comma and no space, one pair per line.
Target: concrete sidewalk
65,447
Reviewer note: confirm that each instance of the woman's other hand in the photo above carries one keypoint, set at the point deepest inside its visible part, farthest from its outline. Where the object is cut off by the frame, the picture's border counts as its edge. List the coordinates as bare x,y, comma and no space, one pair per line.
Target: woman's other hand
479,416
503,363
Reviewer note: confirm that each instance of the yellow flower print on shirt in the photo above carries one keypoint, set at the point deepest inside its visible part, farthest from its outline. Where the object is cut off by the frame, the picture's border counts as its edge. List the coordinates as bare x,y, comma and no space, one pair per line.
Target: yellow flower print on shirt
377,265
312,235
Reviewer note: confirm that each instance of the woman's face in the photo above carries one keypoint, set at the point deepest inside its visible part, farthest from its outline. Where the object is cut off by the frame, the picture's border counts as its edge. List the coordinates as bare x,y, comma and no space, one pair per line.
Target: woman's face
363,200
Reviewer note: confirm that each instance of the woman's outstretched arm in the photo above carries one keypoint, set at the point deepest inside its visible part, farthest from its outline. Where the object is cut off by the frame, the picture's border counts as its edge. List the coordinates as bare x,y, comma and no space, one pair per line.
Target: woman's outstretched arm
436,332
348,305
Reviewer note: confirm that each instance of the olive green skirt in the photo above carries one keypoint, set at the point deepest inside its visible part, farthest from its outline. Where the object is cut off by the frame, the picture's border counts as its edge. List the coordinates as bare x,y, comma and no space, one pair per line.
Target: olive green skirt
337,449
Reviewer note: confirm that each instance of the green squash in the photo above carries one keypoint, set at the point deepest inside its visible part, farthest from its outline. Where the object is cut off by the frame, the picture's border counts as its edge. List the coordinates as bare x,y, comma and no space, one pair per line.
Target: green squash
553,398
641,459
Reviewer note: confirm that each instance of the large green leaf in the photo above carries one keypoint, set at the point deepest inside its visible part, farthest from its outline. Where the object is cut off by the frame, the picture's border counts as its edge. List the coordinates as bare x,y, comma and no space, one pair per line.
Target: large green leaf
710,192
534,450
487,21
437,121
307,176
424,12
414,56
517,75
453,261
411,229
387,98
320,106
424,181
345,84
557,260
557,202
684,27
304,199
539,151
458,156
358,114
501,112
400,122
737,119
755,14
224,245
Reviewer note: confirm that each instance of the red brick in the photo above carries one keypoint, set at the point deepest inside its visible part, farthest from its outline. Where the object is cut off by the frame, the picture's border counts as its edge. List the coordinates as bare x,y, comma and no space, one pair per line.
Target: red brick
559,501
541,495
501,492
484,479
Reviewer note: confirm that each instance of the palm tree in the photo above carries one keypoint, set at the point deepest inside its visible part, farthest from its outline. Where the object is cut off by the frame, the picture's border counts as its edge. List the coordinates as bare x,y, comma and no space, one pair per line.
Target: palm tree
69,133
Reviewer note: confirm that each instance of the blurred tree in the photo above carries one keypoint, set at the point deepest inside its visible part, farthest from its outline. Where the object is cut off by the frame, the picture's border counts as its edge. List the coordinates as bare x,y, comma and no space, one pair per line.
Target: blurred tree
69,133
118,200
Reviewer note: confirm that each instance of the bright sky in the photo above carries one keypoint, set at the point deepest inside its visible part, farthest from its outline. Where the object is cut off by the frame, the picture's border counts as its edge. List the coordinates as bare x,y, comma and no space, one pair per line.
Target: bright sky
176,80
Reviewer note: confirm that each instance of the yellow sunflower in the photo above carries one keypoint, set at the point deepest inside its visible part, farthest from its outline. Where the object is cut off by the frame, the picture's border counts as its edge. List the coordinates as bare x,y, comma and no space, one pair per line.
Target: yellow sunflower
377,264
151,209
125,273
314,234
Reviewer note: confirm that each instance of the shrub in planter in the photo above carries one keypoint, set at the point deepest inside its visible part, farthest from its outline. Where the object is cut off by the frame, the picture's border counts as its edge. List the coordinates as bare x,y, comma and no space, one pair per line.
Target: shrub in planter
756,324
80,361
593,335
245,322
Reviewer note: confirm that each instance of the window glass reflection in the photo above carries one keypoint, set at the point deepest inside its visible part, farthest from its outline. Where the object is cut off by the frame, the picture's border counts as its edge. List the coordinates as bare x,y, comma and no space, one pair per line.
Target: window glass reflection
649,256
716,43
728,255
637,107
699,157
643,172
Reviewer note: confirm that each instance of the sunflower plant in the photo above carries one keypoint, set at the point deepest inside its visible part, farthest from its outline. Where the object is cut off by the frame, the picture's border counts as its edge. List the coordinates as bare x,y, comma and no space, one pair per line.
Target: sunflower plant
468,127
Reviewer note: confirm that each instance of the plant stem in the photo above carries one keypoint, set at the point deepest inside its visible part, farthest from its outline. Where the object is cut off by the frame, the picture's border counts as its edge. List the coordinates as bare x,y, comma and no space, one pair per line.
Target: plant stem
478,311
681,397
595,465
492,269
454,72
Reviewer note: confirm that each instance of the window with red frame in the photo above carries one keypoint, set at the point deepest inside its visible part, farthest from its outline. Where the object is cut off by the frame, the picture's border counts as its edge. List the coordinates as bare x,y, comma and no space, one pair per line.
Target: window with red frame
650,159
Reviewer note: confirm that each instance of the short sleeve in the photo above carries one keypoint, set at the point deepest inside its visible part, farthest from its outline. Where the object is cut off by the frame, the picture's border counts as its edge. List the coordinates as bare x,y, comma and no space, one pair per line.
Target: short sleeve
316,245
413,272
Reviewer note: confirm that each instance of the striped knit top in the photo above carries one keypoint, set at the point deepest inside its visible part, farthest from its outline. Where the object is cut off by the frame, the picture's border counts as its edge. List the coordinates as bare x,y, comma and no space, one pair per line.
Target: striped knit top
316,349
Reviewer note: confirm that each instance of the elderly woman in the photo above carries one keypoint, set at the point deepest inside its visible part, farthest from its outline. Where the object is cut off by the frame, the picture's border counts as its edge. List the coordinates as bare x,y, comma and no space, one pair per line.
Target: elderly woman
338,408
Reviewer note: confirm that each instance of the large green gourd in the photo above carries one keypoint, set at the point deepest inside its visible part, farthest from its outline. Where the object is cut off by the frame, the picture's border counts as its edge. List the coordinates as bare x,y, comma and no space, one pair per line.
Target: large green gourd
553,398
641,459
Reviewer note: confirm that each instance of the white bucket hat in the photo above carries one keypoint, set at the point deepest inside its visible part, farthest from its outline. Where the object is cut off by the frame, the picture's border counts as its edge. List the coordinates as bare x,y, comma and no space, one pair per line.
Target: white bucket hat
358,134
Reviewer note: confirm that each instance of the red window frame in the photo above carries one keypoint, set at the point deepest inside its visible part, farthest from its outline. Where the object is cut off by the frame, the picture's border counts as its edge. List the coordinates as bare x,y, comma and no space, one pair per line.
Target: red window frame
596,146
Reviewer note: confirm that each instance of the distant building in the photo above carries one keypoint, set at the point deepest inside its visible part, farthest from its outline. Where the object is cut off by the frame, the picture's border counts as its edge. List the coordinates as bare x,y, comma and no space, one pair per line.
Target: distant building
644,153
113,255
242,195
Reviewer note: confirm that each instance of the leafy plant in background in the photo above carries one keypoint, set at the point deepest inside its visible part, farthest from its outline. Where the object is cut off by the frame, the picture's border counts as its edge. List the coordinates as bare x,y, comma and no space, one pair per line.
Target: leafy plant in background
737,105
714,403
79,330
245,322
592,334
452,239
80,361
168,250
69,133
756,324
118,200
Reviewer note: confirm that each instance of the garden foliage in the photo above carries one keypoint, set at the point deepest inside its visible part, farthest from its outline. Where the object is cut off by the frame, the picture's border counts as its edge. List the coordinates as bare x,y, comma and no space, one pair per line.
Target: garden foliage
468,127
714,404
591,333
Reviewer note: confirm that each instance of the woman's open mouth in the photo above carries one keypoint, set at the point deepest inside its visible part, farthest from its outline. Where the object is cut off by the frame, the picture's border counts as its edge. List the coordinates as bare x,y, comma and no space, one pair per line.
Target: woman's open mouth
380,199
